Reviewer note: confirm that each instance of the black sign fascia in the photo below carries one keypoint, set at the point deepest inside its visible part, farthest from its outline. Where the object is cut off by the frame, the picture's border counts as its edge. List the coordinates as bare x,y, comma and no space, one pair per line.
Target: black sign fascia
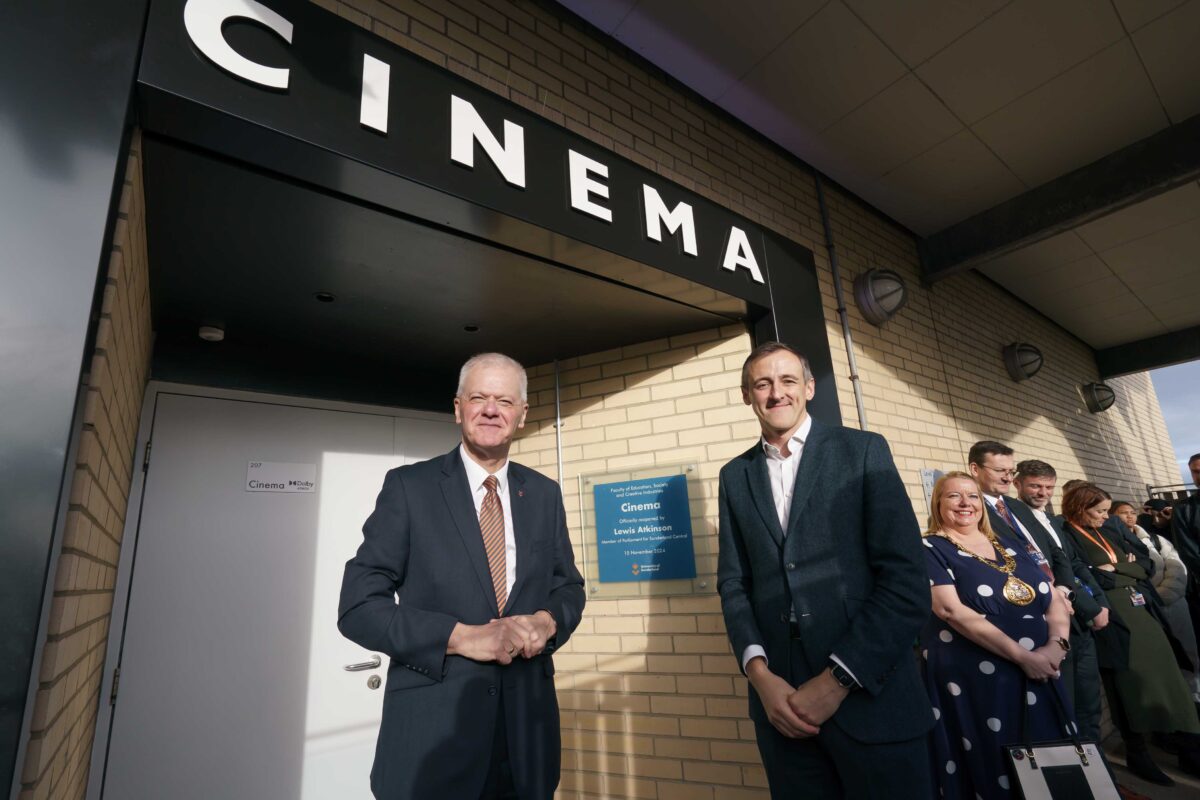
321,106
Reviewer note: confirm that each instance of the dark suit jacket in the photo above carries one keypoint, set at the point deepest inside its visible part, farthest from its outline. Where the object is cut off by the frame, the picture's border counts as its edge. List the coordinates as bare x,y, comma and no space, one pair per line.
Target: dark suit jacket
420,570
851,566
1068,568
1185,533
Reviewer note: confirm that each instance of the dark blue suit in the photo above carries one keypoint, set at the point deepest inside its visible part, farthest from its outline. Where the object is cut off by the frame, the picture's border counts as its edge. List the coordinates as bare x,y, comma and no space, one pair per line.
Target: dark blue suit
852,568
420,570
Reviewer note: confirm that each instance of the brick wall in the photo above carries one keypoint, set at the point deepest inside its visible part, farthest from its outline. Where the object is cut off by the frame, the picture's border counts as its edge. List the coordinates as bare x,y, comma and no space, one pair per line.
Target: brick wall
653,703
69,677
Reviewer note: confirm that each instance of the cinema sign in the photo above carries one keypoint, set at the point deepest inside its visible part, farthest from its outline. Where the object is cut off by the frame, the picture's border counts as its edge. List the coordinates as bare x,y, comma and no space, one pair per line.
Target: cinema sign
294,68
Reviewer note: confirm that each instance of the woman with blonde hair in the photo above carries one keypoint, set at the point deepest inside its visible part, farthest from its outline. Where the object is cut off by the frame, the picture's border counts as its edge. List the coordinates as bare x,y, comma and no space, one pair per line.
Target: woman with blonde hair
995,643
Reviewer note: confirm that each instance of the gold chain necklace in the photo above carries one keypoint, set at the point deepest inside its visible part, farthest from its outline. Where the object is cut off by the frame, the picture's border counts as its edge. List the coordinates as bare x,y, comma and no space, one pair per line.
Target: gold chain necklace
1016,591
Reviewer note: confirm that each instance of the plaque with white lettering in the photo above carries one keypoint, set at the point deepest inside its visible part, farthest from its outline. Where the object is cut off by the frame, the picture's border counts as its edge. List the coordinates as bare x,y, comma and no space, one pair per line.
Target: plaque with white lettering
644,530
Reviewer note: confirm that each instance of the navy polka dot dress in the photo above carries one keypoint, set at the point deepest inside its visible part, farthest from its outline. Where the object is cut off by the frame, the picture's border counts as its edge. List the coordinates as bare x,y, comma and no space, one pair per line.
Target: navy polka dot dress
975,692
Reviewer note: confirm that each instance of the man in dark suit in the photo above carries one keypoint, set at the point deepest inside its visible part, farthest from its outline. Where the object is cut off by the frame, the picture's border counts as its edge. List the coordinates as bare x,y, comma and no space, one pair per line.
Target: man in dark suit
1035,481
1185,534
824,589
991,463
467,581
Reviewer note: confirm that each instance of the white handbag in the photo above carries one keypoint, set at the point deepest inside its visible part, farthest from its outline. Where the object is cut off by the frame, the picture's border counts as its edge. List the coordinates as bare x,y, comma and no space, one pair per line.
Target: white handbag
1069,769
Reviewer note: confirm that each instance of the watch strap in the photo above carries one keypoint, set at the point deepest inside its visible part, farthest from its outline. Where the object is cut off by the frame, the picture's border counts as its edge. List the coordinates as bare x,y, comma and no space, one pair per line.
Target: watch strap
842,676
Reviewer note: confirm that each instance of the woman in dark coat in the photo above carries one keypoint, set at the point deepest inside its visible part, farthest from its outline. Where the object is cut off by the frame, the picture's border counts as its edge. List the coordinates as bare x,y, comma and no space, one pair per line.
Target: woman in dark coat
1151,694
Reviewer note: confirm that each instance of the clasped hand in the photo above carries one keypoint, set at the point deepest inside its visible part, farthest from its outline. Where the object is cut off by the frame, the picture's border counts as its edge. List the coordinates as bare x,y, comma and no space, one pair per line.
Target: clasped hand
504,639
798,712
1043,663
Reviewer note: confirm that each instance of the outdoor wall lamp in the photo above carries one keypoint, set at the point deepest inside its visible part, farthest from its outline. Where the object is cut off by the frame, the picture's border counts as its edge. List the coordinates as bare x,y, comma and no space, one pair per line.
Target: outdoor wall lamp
1097,396
879,294
1022,361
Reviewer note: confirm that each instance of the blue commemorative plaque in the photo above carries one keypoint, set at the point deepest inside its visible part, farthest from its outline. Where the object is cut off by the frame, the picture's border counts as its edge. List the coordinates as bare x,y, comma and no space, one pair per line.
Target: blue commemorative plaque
644,530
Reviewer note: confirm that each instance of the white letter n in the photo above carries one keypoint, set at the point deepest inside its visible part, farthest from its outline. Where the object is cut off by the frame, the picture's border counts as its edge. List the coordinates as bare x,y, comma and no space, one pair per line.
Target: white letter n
467,128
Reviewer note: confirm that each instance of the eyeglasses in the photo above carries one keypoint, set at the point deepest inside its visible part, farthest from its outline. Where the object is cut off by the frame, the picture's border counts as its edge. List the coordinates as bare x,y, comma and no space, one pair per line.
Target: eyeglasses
1004,473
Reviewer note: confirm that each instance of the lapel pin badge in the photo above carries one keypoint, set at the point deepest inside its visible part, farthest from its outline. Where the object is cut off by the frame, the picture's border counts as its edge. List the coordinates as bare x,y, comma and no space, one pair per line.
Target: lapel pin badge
520,492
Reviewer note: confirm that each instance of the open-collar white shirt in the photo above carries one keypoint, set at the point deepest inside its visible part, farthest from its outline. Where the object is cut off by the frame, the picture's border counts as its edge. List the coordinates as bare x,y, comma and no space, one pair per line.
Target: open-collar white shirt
782,470
476,475
1043,518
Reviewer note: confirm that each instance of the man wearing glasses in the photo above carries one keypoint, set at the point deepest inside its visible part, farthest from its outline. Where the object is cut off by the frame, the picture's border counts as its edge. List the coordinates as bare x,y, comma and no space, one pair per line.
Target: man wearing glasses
992,465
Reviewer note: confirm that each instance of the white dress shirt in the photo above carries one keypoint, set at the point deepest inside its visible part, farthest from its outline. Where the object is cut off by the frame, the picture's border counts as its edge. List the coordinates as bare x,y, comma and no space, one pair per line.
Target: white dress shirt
1043,518
782,470
476,475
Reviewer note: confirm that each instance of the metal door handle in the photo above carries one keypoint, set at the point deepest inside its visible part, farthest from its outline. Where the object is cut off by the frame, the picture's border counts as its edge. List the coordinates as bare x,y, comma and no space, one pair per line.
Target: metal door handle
372,664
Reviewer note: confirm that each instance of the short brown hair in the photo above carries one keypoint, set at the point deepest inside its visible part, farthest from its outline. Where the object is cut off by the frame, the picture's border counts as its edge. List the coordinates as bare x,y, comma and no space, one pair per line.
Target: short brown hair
1080,498
765,349
1032,468
1075,483
987,448
935,500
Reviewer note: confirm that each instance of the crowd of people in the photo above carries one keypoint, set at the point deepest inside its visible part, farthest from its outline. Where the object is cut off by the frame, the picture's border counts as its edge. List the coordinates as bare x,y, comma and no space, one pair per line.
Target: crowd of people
1037,615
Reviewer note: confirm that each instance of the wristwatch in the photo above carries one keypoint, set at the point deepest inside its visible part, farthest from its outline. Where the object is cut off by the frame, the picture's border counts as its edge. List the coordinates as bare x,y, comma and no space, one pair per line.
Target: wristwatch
844,678
1063,643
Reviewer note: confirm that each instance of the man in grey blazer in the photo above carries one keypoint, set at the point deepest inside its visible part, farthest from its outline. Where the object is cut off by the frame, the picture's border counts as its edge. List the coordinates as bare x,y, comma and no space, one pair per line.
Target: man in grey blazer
466,580
824,588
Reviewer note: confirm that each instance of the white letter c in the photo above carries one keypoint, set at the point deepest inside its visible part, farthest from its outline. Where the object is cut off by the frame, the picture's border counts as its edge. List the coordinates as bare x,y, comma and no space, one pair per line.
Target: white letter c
204,20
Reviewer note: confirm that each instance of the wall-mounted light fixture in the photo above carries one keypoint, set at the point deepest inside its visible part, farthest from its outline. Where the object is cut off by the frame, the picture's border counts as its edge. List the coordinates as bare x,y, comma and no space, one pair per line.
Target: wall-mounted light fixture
879,294
1022,361
211,333
1097,396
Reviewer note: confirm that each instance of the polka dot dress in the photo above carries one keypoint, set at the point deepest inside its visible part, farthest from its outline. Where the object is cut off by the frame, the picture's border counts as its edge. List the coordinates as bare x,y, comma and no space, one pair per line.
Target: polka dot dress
975,692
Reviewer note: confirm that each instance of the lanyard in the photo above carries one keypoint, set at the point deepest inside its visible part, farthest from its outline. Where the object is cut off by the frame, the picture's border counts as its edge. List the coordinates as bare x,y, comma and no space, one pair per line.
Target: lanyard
1099,541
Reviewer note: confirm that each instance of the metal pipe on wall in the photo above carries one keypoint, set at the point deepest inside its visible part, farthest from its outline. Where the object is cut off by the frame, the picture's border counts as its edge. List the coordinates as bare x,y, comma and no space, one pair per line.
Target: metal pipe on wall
558,422
841,304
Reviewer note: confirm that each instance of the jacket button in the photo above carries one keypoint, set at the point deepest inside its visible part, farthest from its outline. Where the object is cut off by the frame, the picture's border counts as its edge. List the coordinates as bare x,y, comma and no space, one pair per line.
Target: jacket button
791,565
492,691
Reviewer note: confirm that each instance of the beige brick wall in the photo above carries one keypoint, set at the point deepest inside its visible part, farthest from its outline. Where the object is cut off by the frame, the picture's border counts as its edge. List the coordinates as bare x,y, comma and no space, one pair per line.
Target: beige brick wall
69,677
653,703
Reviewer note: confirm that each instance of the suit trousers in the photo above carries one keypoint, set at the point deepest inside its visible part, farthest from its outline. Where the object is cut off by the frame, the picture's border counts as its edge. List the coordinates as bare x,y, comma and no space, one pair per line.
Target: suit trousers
499,784
833,765
1081,680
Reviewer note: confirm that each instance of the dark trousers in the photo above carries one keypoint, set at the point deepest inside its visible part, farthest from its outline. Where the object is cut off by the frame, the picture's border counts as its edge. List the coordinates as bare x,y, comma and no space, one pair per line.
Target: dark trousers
1081,680
833,765
499,784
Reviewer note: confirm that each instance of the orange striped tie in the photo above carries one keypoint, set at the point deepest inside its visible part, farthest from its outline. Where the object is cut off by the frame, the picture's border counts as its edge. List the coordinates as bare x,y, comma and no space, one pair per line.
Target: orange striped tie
491,525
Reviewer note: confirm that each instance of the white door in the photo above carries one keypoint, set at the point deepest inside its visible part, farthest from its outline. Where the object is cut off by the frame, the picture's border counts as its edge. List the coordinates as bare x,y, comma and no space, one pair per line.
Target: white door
232,669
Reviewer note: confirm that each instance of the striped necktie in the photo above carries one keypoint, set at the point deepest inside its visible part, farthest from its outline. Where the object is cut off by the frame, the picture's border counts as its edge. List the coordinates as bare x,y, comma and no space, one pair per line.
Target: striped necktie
491,525
1034,551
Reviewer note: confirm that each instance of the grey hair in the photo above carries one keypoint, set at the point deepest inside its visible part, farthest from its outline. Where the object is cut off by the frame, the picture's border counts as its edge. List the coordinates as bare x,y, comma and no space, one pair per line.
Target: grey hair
493,359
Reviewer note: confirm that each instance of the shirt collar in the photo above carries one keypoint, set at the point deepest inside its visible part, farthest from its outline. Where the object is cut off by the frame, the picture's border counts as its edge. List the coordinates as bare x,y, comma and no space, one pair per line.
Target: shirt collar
476,474
797,438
